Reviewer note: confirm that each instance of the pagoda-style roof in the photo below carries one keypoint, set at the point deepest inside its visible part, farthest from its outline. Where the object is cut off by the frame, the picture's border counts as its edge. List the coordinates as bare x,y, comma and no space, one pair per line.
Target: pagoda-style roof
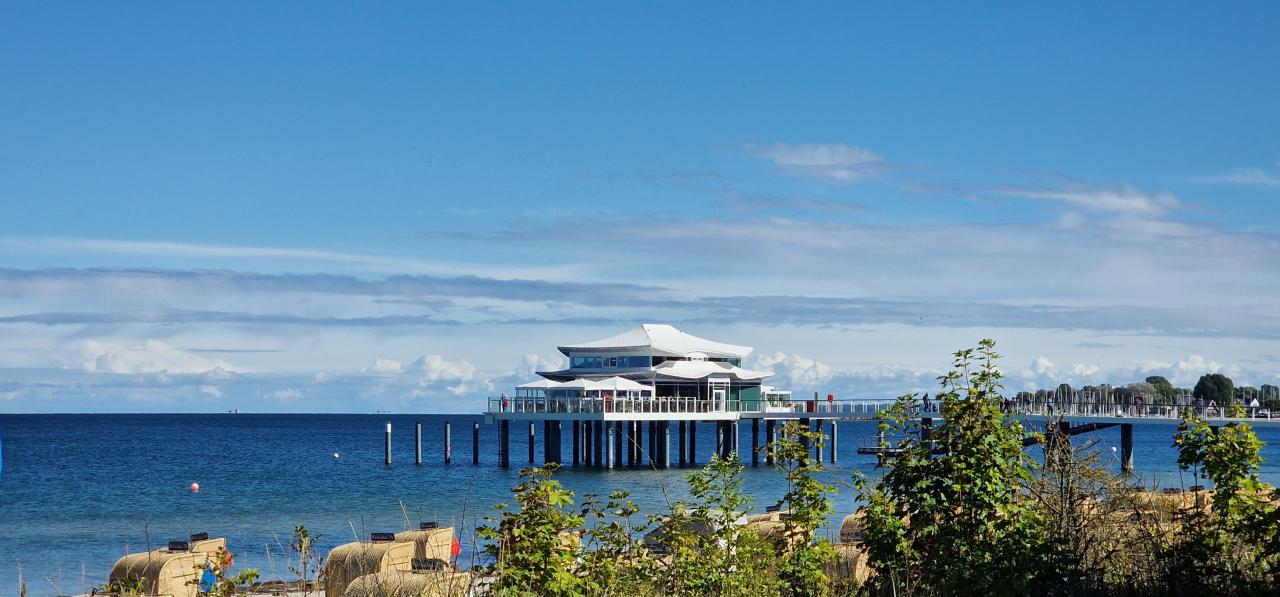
660,339
668,371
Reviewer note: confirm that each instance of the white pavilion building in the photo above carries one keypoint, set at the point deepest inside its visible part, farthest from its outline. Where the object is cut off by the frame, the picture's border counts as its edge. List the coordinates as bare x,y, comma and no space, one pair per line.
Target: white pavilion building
657,361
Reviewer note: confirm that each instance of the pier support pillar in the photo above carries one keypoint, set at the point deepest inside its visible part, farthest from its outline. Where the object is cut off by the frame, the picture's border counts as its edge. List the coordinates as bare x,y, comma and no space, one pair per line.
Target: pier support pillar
819,427
533,429
835,442
547,455
577,442
770,436
1126,447
755,442
683,439
653,443
926,429
693,443
720,439
804,439
638,447
504,443
618,444
598,441
533,441
475,443
610,444
630,442
735,429
665,444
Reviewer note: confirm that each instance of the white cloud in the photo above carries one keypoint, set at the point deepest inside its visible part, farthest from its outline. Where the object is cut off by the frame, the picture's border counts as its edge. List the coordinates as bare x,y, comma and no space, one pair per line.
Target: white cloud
382,365
1247,177
459,377
835,162
212,391
1125,199
151,356
793,371
358,261
285,395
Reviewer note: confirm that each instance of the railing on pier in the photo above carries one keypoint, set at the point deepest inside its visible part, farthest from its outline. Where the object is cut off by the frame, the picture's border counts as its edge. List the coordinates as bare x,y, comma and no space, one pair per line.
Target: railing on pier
523,405
853,409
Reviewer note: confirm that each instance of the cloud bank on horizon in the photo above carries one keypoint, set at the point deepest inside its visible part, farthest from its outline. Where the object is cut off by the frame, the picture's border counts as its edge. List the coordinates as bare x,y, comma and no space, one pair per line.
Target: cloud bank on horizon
411,218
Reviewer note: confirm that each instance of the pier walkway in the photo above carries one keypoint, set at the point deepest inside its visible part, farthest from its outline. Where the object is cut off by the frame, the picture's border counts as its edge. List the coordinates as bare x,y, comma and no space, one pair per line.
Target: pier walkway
609,432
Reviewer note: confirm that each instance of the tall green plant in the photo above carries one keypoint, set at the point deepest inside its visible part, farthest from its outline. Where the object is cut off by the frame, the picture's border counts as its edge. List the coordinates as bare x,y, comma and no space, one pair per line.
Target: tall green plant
807,504
536,546
1235,545
705,549
615,561
947,516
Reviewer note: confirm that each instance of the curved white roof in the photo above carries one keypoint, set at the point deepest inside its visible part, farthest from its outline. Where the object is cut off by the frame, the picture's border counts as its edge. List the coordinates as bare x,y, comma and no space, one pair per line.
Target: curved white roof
660,339
704,369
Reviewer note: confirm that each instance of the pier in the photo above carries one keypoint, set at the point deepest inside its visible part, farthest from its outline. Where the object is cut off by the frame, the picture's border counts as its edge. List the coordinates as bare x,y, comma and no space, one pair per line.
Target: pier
629,422
628,397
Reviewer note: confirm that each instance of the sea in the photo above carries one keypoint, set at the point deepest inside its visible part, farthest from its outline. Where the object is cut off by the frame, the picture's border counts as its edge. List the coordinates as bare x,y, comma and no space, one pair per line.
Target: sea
78,491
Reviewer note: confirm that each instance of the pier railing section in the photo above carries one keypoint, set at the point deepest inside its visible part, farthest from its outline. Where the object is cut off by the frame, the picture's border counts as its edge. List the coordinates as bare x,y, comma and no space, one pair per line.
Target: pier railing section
610,405
852,409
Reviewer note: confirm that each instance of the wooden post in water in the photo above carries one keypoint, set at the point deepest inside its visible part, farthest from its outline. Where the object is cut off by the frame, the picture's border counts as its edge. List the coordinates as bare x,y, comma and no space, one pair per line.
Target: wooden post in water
387,460
1126,447
448,442
475,443
417,443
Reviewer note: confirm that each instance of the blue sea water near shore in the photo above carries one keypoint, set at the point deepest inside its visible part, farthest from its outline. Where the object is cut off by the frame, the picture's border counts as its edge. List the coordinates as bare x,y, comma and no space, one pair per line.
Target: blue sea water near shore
79,491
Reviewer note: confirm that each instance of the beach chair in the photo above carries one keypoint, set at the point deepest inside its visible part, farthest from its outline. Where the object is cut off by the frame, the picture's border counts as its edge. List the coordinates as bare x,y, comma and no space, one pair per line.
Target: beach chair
170,571
349,561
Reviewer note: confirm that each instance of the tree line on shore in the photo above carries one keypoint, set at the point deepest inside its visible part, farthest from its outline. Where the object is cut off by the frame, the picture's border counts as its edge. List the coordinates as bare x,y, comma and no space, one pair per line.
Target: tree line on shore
1211,387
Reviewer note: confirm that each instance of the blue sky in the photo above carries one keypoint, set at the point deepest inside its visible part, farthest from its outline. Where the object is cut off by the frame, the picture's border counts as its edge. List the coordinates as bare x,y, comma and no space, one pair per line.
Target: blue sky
333,208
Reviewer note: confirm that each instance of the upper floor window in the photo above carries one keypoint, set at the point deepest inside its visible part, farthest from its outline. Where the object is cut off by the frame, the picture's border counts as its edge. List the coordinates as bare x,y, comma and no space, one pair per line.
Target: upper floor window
609,362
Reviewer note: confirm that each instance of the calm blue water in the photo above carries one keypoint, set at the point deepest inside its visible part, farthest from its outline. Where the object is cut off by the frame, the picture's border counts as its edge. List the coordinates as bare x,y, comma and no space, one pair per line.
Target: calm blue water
78,491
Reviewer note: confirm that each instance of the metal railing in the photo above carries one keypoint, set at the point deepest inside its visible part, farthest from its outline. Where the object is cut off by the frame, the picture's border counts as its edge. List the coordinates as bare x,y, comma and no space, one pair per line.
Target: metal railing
866,408
523,405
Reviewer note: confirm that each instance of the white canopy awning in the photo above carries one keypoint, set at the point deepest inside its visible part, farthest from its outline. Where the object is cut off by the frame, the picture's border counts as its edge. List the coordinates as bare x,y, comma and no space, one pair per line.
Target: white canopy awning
619,384
541,384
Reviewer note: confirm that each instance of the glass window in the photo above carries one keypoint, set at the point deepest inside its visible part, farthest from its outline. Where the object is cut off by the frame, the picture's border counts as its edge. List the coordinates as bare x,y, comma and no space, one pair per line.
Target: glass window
586,362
